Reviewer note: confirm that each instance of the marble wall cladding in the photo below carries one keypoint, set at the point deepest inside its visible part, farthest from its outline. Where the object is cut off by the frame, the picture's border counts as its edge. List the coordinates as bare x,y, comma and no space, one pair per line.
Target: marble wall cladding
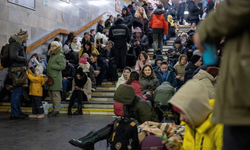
46,19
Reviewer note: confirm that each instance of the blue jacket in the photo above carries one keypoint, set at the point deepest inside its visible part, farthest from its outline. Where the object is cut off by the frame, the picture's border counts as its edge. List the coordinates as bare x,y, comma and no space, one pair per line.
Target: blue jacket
171,77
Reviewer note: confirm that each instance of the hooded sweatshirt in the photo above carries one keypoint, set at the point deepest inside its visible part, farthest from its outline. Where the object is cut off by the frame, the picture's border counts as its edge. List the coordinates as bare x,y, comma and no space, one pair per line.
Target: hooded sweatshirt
208,80
134,105
193,100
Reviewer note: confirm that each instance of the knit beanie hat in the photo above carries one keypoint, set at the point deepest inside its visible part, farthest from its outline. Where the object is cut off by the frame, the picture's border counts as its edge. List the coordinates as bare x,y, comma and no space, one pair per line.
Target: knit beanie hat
66,48
55,43
22,33
137,29
40,68
83,60
193,100
195,58
177,41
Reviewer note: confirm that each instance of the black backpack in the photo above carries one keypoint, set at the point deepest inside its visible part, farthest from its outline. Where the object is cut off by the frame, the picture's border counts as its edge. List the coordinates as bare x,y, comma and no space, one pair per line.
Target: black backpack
5,56
124,135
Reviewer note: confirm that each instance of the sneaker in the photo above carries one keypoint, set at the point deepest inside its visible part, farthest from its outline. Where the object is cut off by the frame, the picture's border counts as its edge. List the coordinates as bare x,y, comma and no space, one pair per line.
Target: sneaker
32,116
40,116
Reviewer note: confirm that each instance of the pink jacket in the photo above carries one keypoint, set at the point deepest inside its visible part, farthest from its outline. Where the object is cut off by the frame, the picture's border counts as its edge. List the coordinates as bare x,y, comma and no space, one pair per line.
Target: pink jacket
139,64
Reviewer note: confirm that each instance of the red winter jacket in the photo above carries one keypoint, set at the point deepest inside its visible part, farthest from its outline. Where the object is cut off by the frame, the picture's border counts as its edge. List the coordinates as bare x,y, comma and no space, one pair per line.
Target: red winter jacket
158,23
118,107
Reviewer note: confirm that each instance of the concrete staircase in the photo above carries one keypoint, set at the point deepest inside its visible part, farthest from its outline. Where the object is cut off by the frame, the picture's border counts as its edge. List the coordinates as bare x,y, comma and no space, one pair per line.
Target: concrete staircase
102,101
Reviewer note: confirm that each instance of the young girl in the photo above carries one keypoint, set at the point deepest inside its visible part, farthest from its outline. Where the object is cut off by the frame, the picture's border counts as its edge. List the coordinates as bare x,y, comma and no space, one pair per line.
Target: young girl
87,48
86,67
142,61
148,80
82,91
75,44
37,80
180,70
124,77
134,82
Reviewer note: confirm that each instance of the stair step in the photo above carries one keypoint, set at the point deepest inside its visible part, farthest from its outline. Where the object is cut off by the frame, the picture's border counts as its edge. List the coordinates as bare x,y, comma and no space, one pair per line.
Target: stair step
152,50
103,94
152,53
167,46
102,106
105,89
107,83
86,111
102,99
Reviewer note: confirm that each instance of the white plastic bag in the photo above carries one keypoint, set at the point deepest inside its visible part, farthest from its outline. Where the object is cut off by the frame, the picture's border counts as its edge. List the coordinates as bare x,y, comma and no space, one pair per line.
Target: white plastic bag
45,107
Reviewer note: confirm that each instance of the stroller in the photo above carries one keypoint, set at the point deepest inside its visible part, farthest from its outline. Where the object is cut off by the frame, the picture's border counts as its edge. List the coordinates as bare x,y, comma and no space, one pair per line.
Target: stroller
162,95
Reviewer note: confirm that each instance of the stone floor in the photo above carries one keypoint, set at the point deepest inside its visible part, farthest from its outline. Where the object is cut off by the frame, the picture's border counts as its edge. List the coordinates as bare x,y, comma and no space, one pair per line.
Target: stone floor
48,133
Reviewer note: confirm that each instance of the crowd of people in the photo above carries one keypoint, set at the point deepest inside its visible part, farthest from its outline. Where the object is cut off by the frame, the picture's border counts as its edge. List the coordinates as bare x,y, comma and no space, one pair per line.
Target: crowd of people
180,82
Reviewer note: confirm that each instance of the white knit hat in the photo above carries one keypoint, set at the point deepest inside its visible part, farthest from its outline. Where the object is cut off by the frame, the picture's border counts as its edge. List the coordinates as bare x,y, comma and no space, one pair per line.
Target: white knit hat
22,33
55,43
40,68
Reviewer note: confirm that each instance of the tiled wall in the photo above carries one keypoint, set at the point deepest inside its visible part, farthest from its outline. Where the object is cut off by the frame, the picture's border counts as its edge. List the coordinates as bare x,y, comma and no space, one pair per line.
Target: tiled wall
46,19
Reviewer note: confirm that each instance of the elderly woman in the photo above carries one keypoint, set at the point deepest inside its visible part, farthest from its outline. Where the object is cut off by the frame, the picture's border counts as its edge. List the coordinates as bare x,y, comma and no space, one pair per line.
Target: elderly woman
54,70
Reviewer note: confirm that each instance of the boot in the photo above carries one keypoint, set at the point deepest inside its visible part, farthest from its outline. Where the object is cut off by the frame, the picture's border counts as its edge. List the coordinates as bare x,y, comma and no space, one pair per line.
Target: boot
89,135
53,113
63,96
69,110
88,142
79,110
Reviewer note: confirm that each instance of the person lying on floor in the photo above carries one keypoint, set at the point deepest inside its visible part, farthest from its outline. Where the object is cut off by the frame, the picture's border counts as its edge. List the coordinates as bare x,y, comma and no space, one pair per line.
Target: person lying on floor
195,109
134,107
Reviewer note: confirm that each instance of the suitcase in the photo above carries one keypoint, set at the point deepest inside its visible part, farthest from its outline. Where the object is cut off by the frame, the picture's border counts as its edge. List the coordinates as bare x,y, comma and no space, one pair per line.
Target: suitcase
151,142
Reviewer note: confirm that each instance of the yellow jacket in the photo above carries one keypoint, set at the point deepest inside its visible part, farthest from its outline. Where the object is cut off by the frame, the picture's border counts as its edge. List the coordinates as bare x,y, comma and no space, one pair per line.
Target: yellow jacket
36,83
94,50
208,136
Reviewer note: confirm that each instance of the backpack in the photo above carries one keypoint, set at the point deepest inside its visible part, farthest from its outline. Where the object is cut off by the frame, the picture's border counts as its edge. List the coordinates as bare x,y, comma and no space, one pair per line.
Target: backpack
5,56
125,135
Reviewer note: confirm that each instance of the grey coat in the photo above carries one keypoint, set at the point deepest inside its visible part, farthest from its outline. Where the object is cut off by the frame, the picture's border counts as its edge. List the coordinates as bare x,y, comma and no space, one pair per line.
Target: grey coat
148,84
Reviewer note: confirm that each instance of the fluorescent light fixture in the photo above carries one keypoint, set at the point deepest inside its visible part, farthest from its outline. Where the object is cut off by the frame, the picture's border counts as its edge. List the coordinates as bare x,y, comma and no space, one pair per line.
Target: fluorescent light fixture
98,2
186,12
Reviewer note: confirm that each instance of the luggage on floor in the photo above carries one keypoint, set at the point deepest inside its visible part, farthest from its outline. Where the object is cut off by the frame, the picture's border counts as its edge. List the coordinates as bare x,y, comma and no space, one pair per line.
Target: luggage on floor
151,142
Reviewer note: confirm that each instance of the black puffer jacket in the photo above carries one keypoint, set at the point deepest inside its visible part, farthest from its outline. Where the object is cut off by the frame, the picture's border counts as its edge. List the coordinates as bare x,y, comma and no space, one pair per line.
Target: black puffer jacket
137,23
99,28
143,41
72,57
128,19
171,10
69,71
17,52
193,11
190,69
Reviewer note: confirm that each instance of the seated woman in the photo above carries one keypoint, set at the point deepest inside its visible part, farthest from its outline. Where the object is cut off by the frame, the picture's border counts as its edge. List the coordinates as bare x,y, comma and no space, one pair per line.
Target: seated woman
142,61
86,67
124,77
75,45
87,48
166,73
139,41
82,91
195,62
180,70
100,41
148,81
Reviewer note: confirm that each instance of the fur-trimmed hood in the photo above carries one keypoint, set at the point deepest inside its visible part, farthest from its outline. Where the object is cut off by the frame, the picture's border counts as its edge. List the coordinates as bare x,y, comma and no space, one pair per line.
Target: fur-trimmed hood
56,51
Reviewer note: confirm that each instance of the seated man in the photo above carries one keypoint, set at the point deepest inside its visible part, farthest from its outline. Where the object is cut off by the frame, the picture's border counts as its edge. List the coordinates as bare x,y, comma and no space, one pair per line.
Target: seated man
70,56
67,76
134,107
109,55
195,109
5,93
100,67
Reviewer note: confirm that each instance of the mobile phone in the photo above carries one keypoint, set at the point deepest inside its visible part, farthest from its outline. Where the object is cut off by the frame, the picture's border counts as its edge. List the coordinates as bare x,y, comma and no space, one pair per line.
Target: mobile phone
166,139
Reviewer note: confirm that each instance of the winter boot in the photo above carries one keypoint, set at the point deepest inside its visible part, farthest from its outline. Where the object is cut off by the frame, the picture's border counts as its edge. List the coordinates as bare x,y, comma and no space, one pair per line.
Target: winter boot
88,142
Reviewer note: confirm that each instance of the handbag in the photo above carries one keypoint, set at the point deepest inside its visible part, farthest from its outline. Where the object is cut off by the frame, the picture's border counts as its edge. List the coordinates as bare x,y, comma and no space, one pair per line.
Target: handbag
19,76
49,81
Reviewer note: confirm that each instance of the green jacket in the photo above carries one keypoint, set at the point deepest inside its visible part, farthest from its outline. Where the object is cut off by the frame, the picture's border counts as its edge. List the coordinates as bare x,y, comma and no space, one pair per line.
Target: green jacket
133,105
163,94
54,68
232,104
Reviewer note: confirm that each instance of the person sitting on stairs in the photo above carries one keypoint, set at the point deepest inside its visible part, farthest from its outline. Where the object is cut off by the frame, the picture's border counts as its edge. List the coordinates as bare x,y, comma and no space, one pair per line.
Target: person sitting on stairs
134,107
82,91
67,76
